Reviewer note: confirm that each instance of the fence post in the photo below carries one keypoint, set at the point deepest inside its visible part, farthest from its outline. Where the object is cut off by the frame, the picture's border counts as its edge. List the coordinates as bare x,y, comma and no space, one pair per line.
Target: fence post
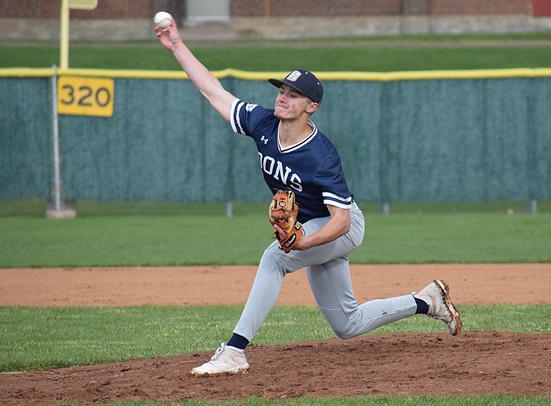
58,210
533,206
55,140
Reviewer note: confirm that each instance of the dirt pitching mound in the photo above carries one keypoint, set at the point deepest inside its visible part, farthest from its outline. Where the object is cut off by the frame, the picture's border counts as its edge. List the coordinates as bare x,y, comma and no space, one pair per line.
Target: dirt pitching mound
401,364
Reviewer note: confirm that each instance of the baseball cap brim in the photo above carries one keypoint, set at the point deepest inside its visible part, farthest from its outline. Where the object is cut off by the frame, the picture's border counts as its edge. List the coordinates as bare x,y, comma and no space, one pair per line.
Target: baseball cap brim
278,83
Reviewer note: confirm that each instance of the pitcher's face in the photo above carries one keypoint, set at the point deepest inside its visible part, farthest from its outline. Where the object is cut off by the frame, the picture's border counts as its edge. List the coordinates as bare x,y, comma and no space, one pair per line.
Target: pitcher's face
290,104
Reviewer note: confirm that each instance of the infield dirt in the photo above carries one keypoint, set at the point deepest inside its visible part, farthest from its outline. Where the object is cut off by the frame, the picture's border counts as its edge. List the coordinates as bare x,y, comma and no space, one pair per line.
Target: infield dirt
405,364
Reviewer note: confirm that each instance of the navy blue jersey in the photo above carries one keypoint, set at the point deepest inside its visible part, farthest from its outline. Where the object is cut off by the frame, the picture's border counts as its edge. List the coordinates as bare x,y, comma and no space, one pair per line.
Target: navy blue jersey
312,168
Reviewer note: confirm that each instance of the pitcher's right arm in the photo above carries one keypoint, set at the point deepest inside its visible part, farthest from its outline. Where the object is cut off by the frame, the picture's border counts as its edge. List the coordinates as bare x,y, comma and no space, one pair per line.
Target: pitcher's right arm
199,75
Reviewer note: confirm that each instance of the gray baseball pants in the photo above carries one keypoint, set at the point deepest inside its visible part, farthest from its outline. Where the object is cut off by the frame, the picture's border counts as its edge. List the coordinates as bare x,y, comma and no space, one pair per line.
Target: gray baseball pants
328,273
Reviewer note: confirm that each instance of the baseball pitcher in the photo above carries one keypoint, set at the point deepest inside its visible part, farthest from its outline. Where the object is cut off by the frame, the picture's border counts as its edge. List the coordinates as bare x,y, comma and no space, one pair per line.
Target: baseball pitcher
316,221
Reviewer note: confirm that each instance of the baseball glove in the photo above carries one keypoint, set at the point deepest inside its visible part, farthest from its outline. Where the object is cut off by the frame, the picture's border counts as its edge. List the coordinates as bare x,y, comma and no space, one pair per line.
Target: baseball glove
283,211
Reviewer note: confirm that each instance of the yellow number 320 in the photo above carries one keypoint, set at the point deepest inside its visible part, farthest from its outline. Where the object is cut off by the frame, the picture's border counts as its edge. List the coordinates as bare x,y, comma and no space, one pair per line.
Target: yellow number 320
85,96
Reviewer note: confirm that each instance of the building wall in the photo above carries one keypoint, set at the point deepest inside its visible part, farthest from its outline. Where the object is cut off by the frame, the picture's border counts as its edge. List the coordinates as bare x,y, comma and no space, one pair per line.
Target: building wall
132,19
320,8
478,7
314,8
106,9
131,9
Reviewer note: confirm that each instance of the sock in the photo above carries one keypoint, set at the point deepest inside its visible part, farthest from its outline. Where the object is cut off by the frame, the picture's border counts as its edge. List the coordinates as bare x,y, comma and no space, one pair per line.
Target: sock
238,341
422,306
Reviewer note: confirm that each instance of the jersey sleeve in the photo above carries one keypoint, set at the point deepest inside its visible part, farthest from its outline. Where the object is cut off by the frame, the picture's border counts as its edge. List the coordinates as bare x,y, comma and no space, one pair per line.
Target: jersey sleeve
245,117
334,189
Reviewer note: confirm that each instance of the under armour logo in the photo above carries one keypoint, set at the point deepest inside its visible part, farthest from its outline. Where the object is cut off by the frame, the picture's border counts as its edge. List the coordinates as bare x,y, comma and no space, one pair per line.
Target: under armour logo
264,140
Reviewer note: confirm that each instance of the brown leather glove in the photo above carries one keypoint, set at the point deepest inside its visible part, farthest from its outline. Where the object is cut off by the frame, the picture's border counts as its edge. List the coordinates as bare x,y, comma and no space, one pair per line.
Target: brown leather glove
283,211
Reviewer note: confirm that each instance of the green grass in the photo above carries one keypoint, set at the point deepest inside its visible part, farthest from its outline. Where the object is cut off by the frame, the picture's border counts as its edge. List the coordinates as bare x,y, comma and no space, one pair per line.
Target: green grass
158,234
336,54
36,338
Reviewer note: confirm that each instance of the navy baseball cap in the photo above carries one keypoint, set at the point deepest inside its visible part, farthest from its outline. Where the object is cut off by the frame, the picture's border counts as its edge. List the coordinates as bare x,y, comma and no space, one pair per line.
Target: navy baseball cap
304,82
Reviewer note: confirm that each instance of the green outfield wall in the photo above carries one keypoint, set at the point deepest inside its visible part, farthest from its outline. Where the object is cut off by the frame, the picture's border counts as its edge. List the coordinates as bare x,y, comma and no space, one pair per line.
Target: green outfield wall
441,136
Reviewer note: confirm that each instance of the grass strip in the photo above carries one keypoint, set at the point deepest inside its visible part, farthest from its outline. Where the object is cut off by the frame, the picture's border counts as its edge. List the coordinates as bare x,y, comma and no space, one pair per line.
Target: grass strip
378,54
179,240
36,338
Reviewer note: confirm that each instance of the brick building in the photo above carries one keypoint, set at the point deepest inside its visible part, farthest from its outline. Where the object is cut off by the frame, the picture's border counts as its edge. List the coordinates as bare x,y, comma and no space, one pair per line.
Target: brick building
125,9
39,19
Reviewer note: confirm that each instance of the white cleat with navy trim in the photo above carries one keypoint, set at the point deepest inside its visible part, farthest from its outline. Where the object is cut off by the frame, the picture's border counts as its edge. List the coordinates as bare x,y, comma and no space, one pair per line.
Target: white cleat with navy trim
437,296
226,360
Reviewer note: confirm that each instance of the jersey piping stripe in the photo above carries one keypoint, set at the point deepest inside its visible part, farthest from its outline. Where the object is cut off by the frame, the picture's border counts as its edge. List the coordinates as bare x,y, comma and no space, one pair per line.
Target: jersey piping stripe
329,195
334,200
235,122
300,144
337,204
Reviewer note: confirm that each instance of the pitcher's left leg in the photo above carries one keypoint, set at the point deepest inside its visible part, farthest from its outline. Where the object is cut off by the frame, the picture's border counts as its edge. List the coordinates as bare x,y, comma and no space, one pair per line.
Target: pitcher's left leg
332,288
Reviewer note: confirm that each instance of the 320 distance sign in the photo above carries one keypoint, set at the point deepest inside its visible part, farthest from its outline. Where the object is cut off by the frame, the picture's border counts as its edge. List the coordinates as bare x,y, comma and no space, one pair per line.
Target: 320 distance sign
85,96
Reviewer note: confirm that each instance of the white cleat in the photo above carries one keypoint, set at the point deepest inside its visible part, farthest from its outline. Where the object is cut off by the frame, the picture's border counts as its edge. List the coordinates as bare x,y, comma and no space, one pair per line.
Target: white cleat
437,296
226,360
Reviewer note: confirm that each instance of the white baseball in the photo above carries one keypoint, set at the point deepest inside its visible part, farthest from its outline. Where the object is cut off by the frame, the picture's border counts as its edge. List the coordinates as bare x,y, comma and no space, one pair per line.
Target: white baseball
162,19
